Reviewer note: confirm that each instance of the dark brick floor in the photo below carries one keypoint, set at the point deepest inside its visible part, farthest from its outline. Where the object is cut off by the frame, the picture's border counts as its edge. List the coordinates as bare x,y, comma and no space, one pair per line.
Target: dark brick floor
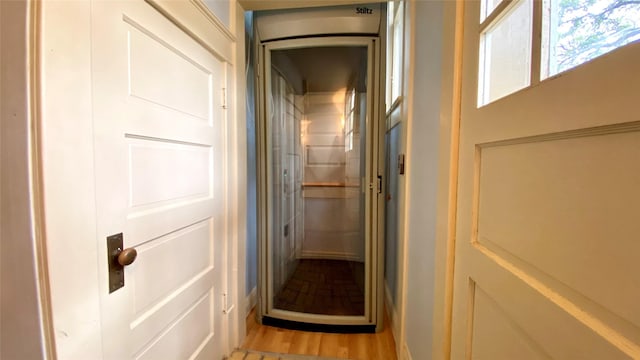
328,287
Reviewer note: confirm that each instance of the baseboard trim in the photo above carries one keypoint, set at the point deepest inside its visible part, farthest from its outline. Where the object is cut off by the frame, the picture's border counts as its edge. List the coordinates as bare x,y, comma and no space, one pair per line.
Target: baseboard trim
251,300
330,255
326,328
393,316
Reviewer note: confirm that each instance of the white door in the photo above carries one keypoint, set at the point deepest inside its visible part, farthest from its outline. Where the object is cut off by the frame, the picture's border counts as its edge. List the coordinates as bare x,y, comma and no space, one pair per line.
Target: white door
160,129
548,237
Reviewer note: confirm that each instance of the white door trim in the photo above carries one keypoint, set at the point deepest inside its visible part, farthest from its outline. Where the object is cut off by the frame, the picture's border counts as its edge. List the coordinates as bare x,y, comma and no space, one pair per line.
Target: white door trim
22,205
448,178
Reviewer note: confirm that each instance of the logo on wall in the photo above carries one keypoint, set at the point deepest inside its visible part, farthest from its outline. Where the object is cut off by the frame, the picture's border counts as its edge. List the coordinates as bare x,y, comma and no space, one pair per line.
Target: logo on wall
364,10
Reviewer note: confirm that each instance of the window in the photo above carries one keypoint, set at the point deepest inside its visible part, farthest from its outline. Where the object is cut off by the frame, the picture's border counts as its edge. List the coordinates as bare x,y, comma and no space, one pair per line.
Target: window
487,8
572,32
395,40
506,53
577,31
349,114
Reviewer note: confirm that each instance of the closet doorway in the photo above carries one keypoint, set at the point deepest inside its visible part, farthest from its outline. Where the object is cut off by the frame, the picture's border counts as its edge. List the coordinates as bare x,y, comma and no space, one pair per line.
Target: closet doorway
319,183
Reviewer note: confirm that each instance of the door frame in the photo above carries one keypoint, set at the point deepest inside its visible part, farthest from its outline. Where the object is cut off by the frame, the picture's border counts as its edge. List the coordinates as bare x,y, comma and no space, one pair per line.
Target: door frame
374,204
447,198
24,222
61,160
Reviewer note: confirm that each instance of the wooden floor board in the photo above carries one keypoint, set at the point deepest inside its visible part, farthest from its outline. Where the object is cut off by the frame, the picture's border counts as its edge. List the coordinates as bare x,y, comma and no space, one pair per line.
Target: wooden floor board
299,342
320,286
343,346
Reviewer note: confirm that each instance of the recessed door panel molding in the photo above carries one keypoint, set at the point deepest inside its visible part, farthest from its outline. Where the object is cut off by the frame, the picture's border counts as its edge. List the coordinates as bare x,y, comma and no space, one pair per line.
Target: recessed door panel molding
189,92
187,336
535,205
172,307
175,170
512,318
155,256
490,322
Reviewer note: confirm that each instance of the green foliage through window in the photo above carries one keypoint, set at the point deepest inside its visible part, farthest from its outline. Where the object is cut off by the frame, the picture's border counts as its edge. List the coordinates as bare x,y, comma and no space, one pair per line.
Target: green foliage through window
581,30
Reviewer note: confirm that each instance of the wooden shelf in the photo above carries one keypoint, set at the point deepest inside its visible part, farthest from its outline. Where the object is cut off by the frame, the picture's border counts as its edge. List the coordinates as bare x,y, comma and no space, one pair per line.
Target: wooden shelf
320,184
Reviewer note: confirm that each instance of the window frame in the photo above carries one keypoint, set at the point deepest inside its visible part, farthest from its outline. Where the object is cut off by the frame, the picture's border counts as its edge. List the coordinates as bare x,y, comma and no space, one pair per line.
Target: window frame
541,42
490,21
395,53
349,115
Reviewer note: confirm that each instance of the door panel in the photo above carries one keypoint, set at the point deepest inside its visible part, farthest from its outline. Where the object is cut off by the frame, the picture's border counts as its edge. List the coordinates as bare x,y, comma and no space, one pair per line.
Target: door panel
189,81
491,321
185,335
159,128
519,322
190,243
546,234
175,170
547,203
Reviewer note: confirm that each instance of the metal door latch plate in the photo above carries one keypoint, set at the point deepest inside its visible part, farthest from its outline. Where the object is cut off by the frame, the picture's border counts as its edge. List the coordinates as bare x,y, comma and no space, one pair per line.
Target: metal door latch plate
116,271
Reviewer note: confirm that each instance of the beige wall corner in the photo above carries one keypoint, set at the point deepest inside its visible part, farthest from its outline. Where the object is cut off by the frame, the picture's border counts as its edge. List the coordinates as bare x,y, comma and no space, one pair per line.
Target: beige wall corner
240,135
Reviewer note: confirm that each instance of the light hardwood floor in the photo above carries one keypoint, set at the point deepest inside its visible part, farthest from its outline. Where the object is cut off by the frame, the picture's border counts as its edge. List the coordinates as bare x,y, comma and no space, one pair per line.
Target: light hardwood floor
379,346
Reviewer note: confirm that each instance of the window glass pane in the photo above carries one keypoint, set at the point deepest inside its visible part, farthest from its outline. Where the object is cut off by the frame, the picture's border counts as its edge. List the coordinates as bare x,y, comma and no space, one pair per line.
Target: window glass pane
577,31
505,58
487,7
396,76
348,120
390,17
395,39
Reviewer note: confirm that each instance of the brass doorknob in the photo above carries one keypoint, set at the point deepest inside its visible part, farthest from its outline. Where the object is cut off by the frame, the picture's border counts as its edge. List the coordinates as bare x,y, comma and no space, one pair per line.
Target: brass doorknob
127,256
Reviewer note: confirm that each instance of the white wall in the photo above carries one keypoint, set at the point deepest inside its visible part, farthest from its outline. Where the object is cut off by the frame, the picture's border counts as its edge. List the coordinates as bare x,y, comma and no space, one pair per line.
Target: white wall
331,213
423,129
222,10
21,333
